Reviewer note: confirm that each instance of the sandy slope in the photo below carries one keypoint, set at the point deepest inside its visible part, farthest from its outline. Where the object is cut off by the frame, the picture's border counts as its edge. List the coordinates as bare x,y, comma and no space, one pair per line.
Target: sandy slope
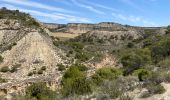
33,51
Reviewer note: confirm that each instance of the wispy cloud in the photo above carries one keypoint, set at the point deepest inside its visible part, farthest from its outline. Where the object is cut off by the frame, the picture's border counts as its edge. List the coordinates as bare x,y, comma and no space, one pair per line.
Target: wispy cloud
50,16
37,5
91,8
132,4
102,6
134,19
153,0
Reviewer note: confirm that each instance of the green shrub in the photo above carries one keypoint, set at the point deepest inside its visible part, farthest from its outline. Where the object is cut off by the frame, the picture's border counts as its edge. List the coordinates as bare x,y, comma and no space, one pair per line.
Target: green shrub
81,67
40,72
81,86
135,59
130,45
5,69
3,80
61,67
164,64
142,74
30,73
77,46
106,73
75,82
39,91
97,79
73,72
1,59
160,49
56,43
82,56
43,68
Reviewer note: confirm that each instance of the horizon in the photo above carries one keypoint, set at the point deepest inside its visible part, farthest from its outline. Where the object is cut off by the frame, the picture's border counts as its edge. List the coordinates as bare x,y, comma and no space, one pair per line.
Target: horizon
126,12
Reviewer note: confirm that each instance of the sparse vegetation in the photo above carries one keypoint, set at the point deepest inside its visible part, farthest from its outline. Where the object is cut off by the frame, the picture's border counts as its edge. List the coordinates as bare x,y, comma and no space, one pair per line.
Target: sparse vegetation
2,80
105,74
140,61
39,91
24,18
15,68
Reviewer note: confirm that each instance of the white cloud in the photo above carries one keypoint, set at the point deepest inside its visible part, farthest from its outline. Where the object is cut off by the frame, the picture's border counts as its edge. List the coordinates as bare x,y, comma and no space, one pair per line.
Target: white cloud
134,19
37,5
153,0
87,7
102,6
50,16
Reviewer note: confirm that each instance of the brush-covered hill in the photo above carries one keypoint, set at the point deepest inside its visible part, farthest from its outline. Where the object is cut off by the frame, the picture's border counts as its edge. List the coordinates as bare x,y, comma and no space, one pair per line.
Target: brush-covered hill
26,49
102,61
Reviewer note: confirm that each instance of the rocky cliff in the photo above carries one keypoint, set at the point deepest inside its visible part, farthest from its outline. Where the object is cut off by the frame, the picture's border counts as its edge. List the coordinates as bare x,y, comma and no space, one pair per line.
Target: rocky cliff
84,28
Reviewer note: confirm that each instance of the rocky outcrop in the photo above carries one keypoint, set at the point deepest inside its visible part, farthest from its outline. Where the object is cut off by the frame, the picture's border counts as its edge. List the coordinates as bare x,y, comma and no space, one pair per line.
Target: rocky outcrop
84,28
54,27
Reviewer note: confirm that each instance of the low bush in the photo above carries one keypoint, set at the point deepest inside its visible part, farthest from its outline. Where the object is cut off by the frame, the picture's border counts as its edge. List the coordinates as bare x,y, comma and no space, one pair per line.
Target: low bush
106,73
1,59
130,45
164,64
155,77
116,88
75,82
5,69
30,73
135,59
39,91
142,74
2,80
155,89
61,67
43,68
40,71
82,56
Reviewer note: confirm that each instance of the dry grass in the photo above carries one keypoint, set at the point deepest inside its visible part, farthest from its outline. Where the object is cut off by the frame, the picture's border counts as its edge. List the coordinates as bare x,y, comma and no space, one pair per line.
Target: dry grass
64,35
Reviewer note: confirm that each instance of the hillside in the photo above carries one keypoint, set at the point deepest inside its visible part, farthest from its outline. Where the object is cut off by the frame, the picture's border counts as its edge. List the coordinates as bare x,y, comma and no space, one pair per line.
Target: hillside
79,61
26,49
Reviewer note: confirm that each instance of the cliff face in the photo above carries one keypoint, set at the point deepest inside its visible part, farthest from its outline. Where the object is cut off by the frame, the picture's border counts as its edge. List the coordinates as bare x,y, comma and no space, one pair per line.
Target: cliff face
84,28
54,27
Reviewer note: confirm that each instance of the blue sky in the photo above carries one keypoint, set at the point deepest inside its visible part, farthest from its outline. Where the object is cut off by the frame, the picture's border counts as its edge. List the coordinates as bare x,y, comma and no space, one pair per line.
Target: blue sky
131,12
